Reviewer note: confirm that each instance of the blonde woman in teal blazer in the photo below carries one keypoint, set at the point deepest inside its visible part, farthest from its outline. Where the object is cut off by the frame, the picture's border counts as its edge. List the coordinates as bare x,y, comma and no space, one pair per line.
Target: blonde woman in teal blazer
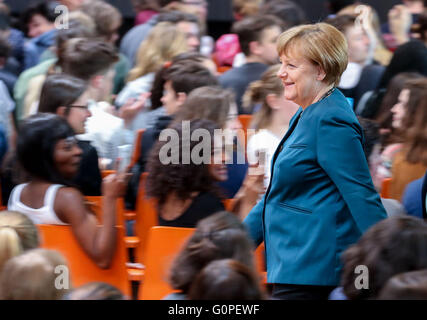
321,198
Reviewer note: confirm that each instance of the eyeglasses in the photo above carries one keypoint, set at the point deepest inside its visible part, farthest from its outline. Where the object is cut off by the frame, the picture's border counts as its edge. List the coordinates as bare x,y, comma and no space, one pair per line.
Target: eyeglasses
196,3
70,142
86,107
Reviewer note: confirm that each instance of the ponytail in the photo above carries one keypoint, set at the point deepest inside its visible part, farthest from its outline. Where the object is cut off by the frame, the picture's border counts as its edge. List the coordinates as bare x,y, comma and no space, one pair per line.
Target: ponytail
17,234
10,244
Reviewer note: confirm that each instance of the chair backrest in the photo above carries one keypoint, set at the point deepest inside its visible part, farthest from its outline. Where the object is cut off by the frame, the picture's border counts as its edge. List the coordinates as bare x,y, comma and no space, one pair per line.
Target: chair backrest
82,268
260,258
105,173
163,245
137,147
229,204
245,121
95,203
385,188
146,218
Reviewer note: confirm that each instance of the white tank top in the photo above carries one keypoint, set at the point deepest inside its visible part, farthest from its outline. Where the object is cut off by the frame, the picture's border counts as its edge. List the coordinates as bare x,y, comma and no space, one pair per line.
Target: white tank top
43,215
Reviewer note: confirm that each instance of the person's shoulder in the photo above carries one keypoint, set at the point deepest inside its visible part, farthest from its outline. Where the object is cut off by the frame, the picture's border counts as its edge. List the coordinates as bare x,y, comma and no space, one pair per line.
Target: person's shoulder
142,83
229,75
66,195
335,106
137,31
373,70
42,67
123,61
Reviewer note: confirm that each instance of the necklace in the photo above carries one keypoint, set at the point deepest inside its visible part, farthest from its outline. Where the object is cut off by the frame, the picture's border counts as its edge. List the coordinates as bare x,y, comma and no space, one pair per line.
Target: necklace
327,94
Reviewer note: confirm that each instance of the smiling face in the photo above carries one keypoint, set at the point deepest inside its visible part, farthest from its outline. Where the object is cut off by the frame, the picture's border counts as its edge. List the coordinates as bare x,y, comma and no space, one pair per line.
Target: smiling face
399,109
302,80
218,169
79,112
170,99
67,157
358,44
39,25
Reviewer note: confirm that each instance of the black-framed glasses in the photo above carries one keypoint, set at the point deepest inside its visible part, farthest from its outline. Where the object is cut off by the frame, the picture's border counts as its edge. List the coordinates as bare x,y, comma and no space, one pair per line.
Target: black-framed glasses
86,107
196,2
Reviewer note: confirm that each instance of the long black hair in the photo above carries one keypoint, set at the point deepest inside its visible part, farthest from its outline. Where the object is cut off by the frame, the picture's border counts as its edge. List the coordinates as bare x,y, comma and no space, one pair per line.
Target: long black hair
36,143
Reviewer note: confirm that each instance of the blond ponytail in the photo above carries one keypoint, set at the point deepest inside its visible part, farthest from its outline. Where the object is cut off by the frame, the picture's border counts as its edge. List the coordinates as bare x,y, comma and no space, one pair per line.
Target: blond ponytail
10,244
258,92
17,234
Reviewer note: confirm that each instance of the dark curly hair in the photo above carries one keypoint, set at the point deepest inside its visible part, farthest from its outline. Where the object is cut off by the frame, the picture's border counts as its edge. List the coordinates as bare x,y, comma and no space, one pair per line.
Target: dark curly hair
181,179
219,236
394,245
226,279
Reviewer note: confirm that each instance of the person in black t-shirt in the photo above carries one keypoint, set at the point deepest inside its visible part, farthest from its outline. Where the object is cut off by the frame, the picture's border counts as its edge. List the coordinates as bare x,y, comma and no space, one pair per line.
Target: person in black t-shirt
186,191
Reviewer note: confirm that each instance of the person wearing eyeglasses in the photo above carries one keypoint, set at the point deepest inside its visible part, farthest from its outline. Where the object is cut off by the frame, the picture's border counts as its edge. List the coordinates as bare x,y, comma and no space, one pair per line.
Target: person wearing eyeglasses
68,97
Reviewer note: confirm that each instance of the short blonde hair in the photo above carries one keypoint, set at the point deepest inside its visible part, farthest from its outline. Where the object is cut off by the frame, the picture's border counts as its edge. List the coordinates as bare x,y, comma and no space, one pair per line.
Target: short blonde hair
31,276
320,43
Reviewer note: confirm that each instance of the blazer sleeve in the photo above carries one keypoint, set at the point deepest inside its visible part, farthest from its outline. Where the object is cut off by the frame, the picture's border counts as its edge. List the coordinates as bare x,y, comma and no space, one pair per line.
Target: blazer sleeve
340,153
254,224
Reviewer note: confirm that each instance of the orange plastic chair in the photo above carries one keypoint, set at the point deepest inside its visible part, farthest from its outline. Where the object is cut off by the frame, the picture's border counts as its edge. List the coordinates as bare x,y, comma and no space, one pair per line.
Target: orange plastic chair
137,147
245,121
229,204
223,69
146,218
105,173
260,262
385,188
82,268
163,244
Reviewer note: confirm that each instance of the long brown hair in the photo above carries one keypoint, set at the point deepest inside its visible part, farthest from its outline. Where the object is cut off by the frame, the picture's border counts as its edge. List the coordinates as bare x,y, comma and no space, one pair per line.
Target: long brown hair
258,92
415,122
384,116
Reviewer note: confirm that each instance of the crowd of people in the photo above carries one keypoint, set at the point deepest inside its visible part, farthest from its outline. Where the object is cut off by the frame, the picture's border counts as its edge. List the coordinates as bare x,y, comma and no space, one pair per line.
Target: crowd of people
330,176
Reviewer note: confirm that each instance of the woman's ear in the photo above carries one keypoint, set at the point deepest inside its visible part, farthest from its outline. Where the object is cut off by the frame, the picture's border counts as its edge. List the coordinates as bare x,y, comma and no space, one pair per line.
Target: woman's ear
321,74
182,96
61,111
97,81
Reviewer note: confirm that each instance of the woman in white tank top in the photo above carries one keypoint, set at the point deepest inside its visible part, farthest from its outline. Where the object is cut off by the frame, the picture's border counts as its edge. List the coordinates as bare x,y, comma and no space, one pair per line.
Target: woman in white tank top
47,150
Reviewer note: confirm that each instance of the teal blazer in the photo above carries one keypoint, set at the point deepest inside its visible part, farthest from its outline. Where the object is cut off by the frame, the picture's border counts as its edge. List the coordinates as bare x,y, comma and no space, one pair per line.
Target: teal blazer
321,198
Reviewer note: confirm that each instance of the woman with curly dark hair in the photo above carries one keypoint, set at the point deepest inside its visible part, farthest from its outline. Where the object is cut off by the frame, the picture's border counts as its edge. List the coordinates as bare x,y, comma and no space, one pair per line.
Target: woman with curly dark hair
393,246
185,187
